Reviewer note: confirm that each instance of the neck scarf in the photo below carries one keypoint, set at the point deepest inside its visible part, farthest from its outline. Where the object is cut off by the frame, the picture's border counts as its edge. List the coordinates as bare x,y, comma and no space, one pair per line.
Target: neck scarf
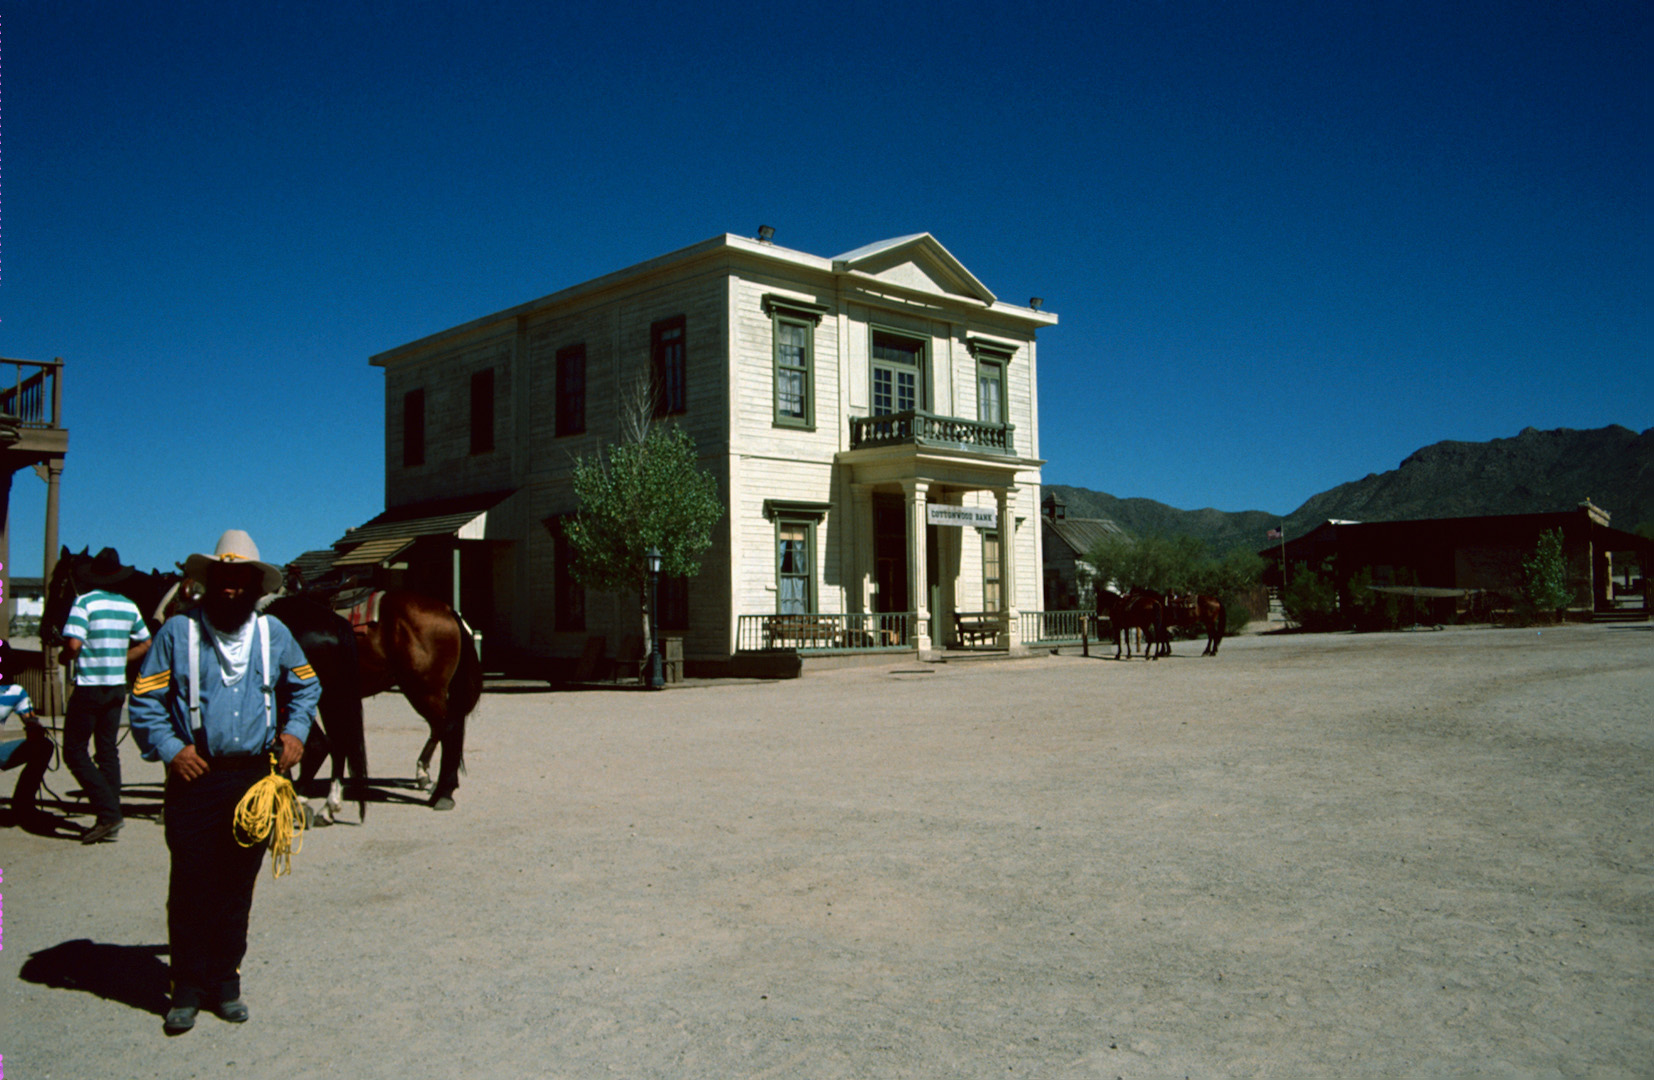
234,649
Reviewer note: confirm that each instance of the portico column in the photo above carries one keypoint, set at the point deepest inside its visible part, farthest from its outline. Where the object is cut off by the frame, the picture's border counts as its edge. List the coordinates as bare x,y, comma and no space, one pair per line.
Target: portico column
918,587
1011,629
861,568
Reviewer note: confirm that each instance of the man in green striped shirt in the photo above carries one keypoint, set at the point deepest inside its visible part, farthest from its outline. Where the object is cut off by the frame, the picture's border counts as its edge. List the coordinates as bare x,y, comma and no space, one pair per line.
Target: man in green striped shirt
105,633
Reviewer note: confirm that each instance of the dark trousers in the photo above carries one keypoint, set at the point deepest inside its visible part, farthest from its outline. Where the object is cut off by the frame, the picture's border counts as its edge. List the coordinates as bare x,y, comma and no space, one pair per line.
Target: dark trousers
210,895
94,716
33,753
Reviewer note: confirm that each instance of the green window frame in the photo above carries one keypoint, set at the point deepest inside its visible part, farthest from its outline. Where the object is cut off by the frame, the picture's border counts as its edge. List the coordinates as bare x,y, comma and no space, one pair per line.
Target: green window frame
992,594
897,372
993,367
795,552
792,332
990,391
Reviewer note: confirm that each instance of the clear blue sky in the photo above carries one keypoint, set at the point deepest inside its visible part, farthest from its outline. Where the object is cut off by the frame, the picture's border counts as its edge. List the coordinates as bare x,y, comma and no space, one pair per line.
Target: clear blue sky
1289,243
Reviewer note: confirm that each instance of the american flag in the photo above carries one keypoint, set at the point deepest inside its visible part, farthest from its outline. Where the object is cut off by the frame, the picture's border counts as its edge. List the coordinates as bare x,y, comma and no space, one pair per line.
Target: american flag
1274,534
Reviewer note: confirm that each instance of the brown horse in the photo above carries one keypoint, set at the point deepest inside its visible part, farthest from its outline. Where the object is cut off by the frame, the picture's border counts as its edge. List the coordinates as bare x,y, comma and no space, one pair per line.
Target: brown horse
423,648
1140,610
1194,610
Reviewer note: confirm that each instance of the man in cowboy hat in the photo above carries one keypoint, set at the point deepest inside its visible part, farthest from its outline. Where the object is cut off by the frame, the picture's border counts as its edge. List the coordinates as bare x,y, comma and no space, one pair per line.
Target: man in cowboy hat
222,690
104,634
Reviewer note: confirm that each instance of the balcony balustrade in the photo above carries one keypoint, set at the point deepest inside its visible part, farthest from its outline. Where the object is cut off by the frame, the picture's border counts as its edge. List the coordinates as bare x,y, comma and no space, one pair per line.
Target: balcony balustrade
922,428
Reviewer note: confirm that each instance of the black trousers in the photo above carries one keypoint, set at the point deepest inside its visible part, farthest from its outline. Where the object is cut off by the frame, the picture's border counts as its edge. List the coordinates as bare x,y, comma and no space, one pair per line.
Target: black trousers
94,715
210,895
32,756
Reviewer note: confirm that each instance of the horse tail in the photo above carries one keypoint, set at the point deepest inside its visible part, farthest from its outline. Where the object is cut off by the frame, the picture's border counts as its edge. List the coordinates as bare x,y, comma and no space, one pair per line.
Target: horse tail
465,689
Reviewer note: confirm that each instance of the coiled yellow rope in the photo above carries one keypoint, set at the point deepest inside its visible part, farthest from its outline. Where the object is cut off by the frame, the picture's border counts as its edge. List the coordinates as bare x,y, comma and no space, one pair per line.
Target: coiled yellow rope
270,809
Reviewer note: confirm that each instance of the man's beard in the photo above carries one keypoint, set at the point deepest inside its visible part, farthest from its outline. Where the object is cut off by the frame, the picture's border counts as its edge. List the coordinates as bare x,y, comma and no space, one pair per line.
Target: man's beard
229,612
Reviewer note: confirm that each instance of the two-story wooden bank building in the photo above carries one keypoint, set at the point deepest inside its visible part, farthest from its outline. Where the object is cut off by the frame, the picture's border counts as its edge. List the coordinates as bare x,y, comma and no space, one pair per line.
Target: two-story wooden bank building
871,420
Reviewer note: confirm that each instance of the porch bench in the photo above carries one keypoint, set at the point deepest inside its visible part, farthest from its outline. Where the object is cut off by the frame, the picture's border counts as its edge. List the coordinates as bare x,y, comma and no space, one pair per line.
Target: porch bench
800,631
976,627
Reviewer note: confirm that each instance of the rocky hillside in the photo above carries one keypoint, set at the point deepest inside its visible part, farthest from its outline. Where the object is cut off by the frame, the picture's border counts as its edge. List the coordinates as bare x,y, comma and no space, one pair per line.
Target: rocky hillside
1534,471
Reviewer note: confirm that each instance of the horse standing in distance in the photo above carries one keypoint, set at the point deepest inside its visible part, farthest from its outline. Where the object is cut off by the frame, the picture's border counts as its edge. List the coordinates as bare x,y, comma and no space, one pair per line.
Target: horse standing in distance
1205,612
1140,610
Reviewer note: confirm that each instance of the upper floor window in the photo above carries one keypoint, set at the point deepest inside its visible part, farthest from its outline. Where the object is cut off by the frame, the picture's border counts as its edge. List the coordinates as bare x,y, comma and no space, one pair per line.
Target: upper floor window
793,324
898,368
571,390
667,358
993,360
413,428
990,391
482,411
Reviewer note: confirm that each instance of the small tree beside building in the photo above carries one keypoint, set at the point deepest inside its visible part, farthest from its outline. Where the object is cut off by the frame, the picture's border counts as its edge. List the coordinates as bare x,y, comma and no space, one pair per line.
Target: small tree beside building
642,494
1545,588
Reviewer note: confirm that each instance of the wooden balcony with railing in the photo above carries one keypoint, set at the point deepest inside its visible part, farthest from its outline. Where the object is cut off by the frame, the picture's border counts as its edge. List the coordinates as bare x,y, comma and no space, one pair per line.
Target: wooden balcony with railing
919,428
31,407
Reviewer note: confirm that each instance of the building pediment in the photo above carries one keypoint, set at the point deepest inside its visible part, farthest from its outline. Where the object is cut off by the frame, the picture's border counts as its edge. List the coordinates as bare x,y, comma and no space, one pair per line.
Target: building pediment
916,263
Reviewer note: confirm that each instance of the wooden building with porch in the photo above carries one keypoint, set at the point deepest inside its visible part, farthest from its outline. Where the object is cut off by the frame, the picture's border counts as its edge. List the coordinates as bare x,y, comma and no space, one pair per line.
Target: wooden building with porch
871,419
1482,555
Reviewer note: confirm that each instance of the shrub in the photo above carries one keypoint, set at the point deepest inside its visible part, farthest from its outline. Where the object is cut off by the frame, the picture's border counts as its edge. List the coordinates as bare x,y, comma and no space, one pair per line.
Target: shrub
1311,599
1545,589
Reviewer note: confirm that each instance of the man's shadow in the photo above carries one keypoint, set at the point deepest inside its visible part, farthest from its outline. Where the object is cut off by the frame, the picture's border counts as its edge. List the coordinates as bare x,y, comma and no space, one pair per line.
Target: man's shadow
133,975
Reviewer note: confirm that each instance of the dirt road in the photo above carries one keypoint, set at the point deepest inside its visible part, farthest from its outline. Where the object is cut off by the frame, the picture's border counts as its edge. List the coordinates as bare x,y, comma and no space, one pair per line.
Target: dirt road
1417,854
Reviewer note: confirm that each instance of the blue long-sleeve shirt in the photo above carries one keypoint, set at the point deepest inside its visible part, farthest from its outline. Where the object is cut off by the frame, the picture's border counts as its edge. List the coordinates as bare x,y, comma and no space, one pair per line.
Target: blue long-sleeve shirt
233,718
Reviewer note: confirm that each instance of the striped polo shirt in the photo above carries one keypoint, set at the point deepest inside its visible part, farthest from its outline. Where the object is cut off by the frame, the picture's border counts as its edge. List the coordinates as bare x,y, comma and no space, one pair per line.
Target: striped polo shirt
109,624
14,701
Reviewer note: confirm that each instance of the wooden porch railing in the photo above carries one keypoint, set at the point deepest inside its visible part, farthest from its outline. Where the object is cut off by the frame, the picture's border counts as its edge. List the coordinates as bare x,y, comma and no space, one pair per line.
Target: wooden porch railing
817,632
1056,627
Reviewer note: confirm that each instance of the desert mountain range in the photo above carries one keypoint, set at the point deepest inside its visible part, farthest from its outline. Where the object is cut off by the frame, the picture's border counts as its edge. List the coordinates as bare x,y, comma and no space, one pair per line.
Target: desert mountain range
1532,472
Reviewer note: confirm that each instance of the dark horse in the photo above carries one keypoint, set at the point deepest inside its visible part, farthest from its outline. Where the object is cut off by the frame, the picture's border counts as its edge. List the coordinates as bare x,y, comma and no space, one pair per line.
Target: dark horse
326,639
1141,610
1195,610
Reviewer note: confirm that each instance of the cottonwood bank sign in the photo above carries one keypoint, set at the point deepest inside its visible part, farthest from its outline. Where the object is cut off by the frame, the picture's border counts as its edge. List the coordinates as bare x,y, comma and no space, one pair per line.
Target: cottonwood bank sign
983,517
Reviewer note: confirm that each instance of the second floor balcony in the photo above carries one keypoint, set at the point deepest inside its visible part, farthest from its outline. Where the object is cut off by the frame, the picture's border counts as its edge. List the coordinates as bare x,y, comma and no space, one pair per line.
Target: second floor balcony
920,428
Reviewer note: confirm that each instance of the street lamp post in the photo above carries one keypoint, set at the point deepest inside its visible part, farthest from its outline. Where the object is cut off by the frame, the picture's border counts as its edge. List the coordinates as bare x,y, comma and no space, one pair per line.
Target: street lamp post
655,680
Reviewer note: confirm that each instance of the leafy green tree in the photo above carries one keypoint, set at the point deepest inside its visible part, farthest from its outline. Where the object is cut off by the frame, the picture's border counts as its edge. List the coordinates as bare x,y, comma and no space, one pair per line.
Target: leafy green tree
1177,564
1311,598
1161,563
1545,588
642,494
1231,579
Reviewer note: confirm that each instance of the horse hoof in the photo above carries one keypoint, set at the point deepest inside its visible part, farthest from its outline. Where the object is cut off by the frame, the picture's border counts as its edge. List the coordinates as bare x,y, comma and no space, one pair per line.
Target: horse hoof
443,803
422,777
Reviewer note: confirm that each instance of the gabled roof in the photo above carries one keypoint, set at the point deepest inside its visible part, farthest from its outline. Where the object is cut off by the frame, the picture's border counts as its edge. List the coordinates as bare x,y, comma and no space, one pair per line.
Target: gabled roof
905,259
1082,534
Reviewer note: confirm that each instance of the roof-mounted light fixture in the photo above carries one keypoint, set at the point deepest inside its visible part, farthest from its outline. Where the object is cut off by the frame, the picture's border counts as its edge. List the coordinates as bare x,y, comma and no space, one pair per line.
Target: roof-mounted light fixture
765,233
1035,301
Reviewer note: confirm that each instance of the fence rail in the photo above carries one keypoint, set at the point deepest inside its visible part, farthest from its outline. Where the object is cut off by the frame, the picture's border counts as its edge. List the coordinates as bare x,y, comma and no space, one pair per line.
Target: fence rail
918,426
818,632
32,397
1055,627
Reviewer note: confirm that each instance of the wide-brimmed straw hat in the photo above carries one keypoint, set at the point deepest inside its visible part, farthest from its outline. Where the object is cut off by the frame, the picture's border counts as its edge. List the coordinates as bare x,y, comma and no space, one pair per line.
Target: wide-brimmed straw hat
236,548
104,570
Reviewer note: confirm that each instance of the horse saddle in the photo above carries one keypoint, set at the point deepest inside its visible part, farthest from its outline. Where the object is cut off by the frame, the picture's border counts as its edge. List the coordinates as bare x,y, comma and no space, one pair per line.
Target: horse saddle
364,612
